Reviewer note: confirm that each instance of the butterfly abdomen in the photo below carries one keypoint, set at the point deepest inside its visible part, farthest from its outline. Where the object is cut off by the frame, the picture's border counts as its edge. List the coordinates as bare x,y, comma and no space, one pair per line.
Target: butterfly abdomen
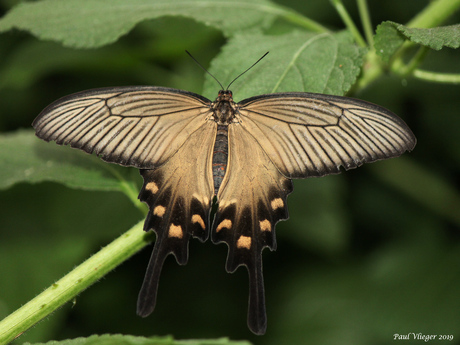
220,156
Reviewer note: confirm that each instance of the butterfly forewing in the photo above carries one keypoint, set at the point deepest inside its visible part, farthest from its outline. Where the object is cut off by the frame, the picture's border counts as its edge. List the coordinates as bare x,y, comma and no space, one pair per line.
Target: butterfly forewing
314,135
132,126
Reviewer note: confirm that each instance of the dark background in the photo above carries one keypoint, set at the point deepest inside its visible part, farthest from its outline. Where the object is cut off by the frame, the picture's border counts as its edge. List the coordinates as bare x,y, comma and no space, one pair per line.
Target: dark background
359,260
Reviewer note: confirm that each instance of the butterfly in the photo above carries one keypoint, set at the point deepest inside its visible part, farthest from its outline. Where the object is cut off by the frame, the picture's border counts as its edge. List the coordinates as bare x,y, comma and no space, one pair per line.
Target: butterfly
193,152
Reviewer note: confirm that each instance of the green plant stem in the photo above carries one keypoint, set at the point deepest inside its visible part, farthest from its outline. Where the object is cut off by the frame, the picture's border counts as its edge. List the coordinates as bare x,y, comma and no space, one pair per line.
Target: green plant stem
127,187
73,283
132,192
372,69
302,21
437,77
366,22
399,67
348,22
434,14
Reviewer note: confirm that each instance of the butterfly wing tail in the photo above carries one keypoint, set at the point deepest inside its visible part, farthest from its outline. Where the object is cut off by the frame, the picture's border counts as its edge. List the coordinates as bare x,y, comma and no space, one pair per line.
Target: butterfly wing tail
148,294
158,219
257,316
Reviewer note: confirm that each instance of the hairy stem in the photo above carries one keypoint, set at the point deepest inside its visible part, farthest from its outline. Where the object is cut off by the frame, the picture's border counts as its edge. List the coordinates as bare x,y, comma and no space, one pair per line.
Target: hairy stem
73,283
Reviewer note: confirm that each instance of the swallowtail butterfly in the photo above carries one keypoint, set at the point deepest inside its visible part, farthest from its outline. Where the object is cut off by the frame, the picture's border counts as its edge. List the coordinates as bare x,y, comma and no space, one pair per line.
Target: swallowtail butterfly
192,152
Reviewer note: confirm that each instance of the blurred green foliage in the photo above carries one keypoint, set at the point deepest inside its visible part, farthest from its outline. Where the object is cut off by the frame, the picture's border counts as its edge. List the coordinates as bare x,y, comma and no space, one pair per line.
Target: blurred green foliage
365,255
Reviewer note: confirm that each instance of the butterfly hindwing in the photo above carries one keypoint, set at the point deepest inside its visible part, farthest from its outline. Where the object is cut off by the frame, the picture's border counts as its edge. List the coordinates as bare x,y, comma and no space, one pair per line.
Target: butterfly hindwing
179,195
282,136
252,199
164,132
307,134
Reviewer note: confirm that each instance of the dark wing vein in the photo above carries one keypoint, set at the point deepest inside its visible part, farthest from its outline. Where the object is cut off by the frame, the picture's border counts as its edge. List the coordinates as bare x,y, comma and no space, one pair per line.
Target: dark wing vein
308,134
133,126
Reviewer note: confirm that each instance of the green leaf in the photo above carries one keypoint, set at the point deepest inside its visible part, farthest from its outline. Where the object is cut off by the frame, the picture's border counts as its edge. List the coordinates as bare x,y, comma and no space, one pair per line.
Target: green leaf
93,23
435,38
298,61
390,36
118,339
25,158
387,40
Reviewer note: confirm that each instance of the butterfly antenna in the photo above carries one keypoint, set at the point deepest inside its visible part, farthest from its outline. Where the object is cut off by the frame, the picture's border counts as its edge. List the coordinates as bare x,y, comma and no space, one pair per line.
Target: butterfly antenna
255,63
204,69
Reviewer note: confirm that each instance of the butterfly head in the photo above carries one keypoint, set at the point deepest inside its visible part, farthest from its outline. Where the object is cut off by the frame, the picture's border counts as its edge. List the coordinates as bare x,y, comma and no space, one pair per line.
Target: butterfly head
224,96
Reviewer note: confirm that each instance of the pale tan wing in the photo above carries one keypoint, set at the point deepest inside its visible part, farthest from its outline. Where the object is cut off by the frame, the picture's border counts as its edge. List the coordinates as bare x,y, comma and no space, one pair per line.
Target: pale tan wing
138,126
179,195
252,199
307,134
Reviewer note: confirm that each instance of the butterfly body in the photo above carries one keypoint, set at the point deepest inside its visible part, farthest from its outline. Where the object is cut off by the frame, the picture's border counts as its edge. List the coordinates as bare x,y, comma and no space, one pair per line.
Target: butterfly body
191,151
224,113
220,156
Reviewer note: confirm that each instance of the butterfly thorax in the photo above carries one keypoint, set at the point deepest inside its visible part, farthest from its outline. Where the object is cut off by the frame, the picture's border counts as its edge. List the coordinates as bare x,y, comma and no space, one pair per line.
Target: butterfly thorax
224,108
